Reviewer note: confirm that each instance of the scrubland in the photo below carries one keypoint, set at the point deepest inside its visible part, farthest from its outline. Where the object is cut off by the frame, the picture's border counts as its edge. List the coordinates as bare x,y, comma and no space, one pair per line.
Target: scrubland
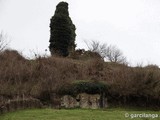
127,86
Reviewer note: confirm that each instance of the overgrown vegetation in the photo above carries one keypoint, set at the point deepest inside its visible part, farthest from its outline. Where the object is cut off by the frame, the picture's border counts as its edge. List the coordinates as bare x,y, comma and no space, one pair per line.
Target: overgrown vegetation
43,76
90,87
62,38
136,86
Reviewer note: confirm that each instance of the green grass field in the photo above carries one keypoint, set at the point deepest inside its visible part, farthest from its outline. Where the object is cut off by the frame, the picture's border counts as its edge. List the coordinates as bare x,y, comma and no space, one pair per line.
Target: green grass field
80,114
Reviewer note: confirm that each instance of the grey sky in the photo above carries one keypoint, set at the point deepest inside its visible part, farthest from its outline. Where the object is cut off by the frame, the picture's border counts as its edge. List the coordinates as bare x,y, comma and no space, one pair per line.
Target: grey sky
132,25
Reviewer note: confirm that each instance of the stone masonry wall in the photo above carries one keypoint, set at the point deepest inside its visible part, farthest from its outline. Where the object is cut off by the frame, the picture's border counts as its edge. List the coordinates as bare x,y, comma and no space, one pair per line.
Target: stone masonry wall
83,100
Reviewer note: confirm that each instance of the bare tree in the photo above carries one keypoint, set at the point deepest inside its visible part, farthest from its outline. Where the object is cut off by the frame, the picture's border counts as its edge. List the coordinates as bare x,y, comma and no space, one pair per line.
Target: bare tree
95,46
3,42
110,53
113,54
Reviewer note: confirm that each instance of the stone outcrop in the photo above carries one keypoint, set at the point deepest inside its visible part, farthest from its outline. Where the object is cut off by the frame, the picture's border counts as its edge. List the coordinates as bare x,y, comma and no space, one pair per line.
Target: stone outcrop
68,101
84,100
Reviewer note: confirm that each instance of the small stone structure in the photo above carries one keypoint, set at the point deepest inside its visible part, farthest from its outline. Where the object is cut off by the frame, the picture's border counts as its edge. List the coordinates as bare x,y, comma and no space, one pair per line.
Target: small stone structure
83,100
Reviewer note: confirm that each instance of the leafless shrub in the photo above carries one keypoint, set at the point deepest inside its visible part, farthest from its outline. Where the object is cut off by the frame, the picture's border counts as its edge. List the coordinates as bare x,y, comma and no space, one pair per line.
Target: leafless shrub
113,54
110,53
3,42
96,46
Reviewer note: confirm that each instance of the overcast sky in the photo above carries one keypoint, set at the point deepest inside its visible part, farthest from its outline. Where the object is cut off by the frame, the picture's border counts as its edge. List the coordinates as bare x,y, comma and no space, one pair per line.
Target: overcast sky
132,25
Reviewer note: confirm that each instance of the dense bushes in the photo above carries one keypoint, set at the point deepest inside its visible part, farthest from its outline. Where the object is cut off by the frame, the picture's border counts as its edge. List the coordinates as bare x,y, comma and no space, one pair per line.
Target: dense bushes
90,87
42,76
136,86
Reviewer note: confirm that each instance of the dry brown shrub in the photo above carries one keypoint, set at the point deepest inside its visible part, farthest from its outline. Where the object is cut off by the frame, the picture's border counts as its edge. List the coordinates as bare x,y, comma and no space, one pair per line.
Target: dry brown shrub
43,76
